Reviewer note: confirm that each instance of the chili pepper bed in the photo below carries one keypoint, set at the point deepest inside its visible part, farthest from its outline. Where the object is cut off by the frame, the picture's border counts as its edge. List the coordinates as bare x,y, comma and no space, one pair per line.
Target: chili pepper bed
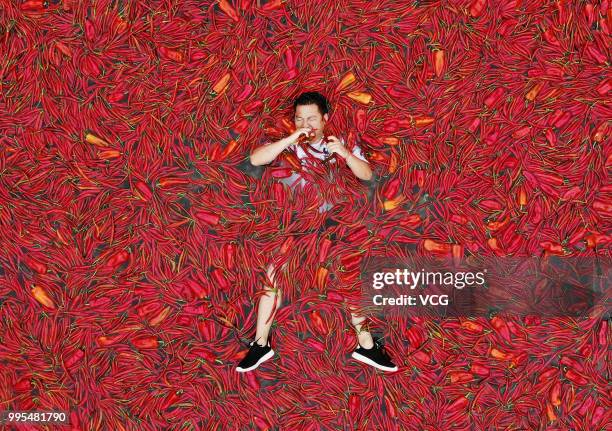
135,232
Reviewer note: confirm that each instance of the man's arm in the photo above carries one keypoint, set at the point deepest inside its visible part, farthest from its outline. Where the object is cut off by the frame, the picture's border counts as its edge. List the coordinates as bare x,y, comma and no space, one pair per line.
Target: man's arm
360,168
266,153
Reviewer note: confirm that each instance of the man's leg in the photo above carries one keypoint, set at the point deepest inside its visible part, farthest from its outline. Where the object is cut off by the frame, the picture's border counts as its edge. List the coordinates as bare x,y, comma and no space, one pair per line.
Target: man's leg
266,307
367,352
363,335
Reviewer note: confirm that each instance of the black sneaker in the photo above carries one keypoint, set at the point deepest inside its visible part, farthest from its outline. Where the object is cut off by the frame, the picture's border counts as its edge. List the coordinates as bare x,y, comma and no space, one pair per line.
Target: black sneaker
256,356
376,356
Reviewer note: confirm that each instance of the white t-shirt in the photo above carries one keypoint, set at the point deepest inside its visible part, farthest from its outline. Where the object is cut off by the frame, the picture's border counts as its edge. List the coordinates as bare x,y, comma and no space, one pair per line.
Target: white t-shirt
320,153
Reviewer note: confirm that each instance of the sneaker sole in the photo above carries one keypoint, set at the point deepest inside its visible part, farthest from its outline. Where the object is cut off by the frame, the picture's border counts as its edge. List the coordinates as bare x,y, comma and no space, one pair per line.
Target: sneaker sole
263,359
368,361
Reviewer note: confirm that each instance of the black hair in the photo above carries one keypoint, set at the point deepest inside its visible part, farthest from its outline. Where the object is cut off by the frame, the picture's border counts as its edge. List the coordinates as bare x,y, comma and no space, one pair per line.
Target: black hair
310,98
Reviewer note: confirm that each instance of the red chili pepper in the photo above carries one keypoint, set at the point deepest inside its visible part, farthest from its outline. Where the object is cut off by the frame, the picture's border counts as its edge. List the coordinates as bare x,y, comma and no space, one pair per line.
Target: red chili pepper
351,261
170,399
144,192
287,245
229,250
472,326
389,126
499,354
272,5
104,341
391,188
219,278
196,289
108,154
253,381
261,423
602,206
411,221
160,316
550,412
317,345
287,125
420,177
207,329
549,36
421,356
172,181
23,384
282,172
324,247
35,265
358,236
600,131
481,370
171,54
459,219
321,277
32,5
551,137
372,142
575,377
571,363
460,377
318,322
293,160
290,59
117,259
598,414
545,376
555,394
145,309
587,406
436,247
251,107
602,335
501,328
354,404
553,248
415,337
221,85
390,407
522,132
334,296
562,121
74,358
477,7
459,404
232,144
145,342
494,97
490,205
207,217
90,32
209,356
474,124
245,93
239,128
228,9
360,120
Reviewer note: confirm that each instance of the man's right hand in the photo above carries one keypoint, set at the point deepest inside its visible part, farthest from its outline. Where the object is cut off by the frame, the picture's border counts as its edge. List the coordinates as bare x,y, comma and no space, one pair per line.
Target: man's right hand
293,138
268,152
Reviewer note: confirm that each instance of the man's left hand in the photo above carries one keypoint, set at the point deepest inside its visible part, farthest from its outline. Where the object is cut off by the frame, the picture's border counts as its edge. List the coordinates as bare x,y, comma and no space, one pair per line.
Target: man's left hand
335,146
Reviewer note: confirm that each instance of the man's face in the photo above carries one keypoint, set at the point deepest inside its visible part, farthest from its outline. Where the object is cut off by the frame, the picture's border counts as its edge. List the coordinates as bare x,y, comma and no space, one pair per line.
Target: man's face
309,116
